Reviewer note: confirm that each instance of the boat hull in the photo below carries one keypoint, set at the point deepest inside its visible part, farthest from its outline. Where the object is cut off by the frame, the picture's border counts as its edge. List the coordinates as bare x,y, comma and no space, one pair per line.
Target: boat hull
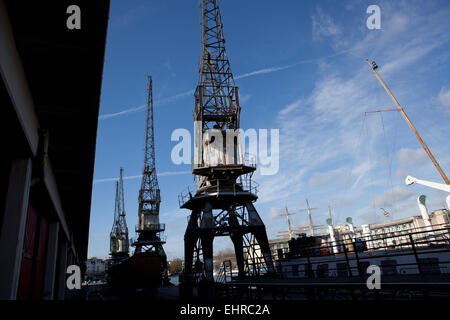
140,271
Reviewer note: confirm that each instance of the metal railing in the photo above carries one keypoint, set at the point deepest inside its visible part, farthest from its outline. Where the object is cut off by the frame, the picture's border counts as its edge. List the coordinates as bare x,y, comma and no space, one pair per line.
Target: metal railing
161,237
243,183
187,194
151,227
223,272
248,160
350,257
248,184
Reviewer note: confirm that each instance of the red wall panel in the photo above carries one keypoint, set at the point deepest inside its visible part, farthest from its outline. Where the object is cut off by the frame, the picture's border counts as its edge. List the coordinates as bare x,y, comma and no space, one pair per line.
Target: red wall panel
33,257
26,271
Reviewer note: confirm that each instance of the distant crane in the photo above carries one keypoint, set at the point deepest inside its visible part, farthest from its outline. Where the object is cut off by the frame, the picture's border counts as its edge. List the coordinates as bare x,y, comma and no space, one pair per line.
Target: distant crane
148,227
119,243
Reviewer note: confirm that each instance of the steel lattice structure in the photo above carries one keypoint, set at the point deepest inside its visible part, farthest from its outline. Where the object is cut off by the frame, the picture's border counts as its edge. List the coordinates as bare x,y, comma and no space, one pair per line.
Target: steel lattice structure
149,228
223,203
217,101
119,243
149,194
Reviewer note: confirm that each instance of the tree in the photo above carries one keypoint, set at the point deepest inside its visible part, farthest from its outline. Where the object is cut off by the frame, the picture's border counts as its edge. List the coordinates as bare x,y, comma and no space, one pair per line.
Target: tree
176,265
226,254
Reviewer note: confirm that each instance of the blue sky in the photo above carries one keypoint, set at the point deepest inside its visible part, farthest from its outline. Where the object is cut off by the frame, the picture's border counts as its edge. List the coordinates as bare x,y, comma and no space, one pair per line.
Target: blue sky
300,67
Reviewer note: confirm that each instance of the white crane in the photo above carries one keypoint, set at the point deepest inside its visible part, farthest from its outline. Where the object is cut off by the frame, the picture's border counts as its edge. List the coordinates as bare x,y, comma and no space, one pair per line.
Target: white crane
440,186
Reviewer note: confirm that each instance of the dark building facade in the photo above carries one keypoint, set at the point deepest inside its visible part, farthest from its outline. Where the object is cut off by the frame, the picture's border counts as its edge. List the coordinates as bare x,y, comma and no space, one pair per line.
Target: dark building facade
50,88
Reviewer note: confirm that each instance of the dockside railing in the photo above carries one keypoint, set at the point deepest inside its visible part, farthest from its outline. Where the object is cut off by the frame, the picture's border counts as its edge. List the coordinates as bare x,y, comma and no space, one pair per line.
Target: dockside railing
351,258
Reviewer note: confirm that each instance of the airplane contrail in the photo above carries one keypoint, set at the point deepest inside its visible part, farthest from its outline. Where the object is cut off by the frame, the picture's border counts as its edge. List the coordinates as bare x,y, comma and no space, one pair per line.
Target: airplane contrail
242,76
139,176
111,115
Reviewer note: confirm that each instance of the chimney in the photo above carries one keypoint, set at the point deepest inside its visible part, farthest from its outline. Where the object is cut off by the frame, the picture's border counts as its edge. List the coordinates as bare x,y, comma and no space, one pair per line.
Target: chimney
332,248
448,202
350,227
424,212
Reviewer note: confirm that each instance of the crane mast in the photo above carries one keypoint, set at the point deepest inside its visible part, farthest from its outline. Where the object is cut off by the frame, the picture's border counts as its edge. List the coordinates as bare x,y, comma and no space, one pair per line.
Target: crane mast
223,202
119,243
149,193
217,101
149,228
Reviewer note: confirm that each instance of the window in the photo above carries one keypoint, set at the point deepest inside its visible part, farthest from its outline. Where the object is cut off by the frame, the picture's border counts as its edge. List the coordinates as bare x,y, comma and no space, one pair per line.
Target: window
389,267
295,270
364,265
430,265
322,270
342,269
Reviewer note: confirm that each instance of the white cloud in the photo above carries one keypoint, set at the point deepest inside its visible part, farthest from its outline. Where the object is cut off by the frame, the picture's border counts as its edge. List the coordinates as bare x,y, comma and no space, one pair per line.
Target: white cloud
398,23
369,215
320,178
411,53
444,98
274,213
323,25
394,195
141,108
410,157
324,129
333,95
280,186
341,203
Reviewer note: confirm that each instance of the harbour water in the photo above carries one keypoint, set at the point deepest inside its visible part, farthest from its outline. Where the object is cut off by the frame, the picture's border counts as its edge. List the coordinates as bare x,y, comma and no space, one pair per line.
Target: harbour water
174,279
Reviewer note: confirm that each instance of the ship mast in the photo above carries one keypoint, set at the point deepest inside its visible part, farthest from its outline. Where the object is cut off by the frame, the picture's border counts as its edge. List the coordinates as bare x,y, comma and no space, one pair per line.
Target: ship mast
308,209
373,66
311,227
290,231
329,214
